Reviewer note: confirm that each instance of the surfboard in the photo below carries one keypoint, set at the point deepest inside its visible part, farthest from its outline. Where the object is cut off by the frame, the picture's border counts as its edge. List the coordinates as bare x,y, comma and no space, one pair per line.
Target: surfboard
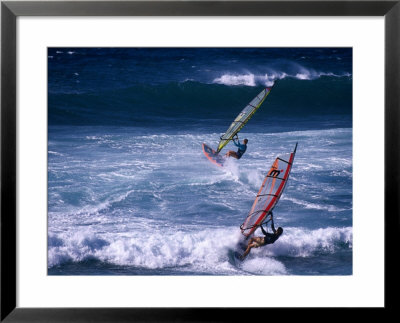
213,156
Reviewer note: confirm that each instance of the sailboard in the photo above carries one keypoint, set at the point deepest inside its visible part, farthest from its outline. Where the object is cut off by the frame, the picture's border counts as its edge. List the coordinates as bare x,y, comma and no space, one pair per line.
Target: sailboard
242,118
213,156
269,194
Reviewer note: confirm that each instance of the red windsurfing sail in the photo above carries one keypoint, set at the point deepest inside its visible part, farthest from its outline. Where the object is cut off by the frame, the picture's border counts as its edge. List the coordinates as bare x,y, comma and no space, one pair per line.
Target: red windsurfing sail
270,192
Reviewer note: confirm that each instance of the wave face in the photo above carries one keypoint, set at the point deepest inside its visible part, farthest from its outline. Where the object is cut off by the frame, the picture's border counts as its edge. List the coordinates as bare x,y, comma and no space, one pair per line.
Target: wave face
155,105
133,87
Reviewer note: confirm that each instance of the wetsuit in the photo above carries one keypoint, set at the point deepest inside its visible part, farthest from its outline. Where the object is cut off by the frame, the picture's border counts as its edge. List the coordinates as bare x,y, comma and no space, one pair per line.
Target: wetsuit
241,150
269,237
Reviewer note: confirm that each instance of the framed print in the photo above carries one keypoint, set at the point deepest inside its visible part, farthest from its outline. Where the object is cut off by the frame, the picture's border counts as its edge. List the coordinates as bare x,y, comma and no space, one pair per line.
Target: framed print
167,160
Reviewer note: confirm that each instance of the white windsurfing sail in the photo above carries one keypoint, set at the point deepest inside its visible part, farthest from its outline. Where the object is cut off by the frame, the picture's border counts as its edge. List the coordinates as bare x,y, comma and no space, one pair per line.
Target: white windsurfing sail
270,192
243,117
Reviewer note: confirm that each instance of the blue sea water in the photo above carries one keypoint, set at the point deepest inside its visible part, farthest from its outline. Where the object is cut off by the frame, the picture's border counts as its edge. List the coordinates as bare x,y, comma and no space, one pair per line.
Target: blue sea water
130,191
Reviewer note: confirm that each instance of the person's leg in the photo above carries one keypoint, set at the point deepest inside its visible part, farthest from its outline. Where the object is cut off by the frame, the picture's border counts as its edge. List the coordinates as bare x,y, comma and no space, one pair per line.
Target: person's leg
252,239
231,153
250,245
253,243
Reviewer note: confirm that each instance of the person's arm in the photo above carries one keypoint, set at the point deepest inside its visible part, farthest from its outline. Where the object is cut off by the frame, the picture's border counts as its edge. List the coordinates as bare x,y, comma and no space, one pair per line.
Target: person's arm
242,147
237,144
272,223
263,231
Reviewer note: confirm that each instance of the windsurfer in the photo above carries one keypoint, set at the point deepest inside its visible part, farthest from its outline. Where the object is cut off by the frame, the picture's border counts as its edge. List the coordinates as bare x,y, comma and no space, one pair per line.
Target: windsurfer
242,149
269,238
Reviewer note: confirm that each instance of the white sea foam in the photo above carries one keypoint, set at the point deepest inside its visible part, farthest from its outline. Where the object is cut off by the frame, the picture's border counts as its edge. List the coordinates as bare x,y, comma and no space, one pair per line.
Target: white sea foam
232,168
264,266
300,242
268,79
254,178
315,206
90,210
207,251
231,79
157,250
55,153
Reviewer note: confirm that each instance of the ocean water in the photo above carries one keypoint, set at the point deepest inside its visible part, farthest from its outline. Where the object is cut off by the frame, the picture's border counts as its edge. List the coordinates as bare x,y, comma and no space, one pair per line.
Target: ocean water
130,191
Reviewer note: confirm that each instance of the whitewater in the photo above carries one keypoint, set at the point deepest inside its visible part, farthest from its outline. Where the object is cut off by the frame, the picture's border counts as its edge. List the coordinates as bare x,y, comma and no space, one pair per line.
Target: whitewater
124,202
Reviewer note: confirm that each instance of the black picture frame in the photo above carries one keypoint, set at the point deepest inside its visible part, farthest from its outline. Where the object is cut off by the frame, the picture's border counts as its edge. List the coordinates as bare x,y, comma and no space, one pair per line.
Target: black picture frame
10,10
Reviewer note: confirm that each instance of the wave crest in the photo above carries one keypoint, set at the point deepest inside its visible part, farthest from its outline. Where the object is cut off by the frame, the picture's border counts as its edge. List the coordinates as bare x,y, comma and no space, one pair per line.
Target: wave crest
268,79
207,251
